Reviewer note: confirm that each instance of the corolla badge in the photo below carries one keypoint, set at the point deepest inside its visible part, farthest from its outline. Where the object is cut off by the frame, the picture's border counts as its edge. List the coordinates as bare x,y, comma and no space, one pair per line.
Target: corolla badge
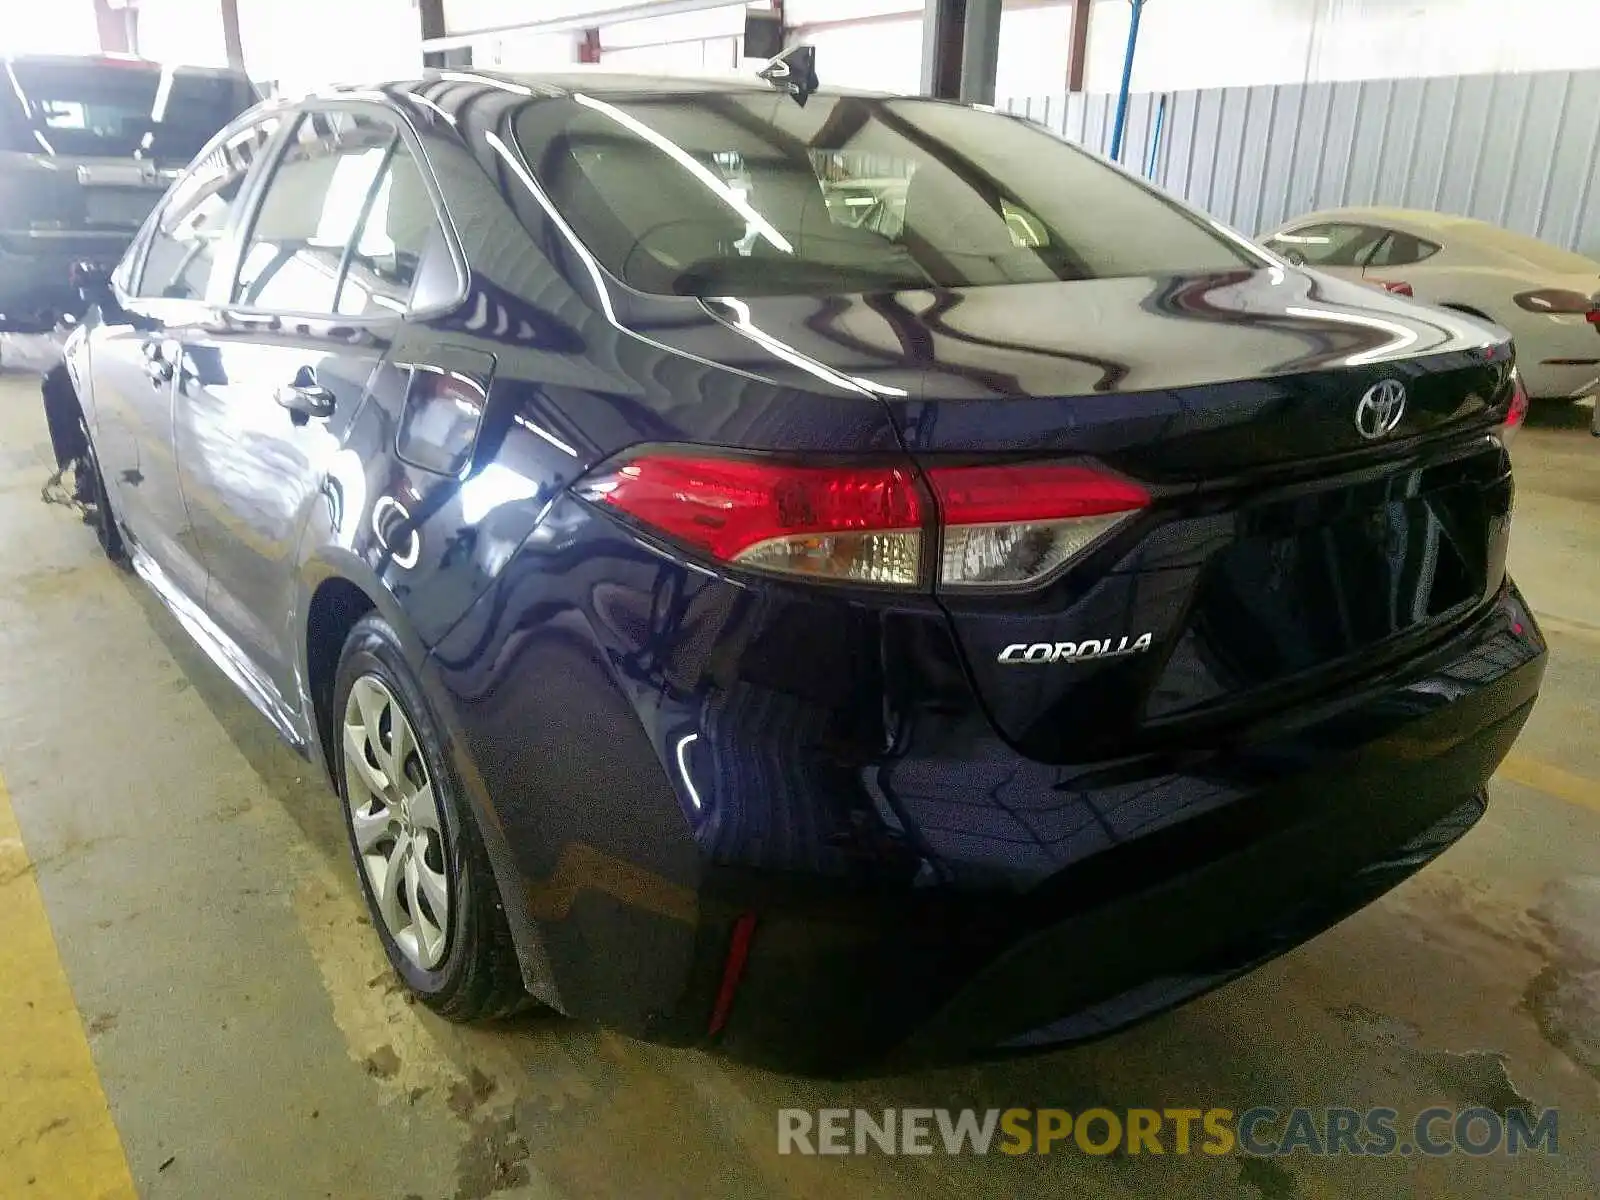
1380,409
1054,652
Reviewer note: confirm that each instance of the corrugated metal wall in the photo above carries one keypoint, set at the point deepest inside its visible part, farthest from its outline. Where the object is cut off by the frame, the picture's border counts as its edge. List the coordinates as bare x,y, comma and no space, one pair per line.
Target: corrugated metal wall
1522,151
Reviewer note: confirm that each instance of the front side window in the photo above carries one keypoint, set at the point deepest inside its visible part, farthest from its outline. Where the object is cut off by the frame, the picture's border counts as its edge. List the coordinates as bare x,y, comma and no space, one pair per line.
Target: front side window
189,229
342,225
701,194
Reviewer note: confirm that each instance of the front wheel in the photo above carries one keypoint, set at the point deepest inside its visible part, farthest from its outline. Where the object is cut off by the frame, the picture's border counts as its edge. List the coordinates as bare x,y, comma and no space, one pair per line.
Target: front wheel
421,862
90,491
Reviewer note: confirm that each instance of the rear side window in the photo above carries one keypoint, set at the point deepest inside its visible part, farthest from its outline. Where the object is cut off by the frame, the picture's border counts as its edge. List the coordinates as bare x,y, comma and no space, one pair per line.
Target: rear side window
1332,245
112,109
1401,250
399,228
192,221
342,225
697,194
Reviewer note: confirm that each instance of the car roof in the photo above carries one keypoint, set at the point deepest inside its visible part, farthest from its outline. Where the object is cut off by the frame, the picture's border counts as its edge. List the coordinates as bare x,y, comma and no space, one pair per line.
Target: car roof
1409,218
1447,226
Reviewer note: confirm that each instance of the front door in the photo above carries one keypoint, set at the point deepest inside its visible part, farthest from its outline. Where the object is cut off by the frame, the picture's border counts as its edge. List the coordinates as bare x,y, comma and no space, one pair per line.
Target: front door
270,386
135,351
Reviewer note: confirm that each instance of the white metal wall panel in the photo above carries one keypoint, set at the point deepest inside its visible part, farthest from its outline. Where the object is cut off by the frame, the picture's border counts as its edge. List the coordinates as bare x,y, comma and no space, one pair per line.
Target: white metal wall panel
1520,150
1185,44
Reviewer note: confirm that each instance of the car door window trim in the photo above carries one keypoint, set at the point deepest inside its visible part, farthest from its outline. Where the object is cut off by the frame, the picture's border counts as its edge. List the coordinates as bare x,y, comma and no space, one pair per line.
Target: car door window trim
145,238
405,131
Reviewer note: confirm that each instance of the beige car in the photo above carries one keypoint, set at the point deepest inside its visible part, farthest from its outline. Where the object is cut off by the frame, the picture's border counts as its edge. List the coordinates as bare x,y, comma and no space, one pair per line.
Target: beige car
1547,297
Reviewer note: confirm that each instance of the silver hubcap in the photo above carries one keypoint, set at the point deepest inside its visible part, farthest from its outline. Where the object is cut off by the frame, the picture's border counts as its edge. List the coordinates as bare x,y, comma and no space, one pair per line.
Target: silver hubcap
394,813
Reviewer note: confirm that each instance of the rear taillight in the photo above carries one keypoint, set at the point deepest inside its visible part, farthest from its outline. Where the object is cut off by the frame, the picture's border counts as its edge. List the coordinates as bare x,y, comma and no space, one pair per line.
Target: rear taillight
1397,287
1017,524
860,524
1516,411
996,526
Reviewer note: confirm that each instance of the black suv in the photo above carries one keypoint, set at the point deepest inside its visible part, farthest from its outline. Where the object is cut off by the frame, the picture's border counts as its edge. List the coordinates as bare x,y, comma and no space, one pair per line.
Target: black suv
87,147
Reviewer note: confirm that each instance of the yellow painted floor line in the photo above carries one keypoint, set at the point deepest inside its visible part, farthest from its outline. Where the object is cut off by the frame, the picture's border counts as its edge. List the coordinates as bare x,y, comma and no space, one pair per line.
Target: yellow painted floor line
1552,781
56,1135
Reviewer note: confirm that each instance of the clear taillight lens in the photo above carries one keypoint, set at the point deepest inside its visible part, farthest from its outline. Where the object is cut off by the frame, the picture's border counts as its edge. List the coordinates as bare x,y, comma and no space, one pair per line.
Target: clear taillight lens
1014,525
856,524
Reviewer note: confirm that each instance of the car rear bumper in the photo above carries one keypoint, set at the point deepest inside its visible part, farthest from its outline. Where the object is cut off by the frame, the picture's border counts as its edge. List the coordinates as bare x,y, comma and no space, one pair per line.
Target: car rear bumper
782,825
1338,809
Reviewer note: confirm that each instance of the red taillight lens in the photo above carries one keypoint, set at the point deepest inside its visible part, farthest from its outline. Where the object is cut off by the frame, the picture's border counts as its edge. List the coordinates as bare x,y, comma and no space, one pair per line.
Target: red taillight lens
1396,286
1001,525
859,524
1018,524
1517,412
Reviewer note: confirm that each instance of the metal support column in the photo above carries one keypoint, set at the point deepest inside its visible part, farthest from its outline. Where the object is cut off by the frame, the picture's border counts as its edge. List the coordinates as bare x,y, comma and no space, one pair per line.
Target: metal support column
980,51
1127,81
230,33
431,15
1080,44
116,25
943,33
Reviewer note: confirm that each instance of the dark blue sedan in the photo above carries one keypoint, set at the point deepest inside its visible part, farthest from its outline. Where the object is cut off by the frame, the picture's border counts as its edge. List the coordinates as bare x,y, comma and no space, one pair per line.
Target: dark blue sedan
836,580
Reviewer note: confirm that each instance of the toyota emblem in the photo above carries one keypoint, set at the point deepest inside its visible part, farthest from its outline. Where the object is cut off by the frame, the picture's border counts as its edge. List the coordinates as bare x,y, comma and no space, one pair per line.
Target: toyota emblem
1380,409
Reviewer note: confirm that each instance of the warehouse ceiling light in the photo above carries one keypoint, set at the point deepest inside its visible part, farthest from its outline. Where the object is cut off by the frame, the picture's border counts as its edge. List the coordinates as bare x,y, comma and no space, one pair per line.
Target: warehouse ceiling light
576,21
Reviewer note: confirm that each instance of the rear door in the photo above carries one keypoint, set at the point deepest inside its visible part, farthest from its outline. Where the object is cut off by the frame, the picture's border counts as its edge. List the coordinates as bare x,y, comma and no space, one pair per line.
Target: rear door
135,349
272,380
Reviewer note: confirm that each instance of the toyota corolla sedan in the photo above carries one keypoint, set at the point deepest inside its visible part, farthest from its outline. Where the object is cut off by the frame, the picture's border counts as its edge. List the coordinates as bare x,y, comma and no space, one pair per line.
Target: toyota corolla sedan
746,625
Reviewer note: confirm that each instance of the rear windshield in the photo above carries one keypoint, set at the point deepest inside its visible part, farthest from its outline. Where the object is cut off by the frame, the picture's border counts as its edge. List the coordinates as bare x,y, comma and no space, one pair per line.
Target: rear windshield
115,110
747,192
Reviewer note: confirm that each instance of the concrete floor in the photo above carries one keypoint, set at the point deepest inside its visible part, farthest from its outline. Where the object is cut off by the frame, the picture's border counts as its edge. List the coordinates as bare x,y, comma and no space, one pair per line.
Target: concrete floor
249,1041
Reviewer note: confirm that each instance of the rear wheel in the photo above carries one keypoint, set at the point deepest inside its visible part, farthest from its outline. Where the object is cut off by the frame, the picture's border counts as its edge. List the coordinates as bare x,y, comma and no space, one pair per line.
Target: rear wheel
421,862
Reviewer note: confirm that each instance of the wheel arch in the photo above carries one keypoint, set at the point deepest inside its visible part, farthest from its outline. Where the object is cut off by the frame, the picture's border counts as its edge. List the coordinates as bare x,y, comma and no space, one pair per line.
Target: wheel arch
337,590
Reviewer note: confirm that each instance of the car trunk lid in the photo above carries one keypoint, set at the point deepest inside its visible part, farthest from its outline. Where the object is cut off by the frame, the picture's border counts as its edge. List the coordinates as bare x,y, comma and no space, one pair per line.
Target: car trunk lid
1324,492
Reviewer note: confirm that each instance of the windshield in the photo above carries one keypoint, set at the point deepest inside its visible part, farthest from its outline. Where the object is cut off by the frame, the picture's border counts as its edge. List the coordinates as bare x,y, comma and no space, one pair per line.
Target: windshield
115,110
747,192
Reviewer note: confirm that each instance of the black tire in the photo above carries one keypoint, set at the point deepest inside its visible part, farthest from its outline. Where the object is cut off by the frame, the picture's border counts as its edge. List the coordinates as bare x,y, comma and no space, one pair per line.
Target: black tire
90,490
478,977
